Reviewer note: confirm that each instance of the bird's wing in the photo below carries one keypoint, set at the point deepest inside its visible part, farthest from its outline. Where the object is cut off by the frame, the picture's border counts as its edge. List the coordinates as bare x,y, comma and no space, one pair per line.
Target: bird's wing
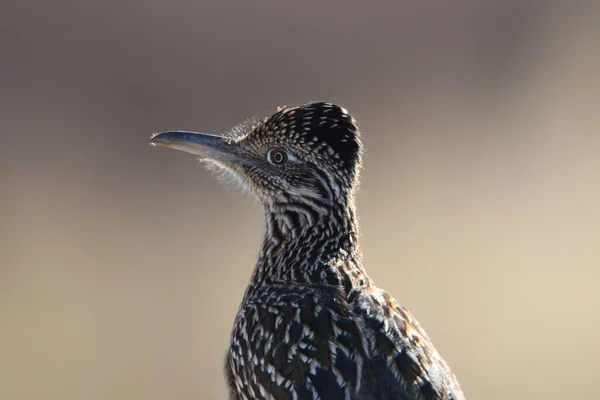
314,344
400,355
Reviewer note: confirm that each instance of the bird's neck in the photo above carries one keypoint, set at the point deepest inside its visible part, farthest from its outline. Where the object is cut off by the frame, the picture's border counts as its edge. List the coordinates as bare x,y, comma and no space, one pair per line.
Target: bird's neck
306,246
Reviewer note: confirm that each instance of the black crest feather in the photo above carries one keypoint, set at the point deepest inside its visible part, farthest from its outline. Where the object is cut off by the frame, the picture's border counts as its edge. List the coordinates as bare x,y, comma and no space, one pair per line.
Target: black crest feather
321,123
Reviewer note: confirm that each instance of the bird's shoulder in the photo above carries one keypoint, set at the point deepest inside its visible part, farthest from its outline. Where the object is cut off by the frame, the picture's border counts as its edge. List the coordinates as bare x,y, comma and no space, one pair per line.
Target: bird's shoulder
399,352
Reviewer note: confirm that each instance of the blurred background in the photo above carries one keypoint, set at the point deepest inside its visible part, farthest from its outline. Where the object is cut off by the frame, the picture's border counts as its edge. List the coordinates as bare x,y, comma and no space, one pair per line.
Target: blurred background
122,266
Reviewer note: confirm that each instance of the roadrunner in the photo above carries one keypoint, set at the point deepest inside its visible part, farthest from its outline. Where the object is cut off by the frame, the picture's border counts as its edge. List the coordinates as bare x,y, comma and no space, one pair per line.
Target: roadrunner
312,324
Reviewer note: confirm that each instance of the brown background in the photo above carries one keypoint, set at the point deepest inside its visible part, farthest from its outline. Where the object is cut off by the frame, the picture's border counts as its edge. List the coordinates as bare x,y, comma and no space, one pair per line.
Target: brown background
122,265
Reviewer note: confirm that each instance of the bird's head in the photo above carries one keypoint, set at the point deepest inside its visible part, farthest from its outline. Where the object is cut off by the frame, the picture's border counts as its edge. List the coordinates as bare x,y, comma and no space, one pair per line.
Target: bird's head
309,154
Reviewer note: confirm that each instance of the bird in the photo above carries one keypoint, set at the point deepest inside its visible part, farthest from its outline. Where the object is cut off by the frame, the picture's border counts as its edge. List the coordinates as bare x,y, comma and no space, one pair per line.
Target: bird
312,324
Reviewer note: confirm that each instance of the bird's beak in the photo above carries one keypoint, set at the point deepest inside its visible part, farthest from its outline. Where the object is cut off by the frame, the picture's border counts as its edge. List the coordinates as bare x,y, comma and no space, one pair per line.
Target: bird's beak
212,147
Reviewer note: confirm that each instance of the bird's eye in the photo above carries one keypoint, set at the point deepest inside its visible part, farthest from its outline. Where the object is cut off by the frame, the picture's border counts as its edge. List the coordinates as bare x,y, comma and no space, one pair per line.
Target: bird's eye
276,156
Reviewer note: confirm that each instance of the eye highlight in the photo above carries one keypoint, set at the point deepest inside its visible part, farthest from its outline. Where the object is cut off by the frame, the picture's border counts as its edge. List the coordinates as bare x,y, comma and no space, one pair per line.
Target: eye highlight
277,156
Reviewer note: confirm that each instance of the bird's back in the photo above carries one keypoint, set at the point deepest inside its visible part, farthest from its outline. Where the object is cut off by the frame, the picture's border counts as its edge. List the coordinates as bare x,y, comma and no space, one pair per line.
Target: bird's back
317,342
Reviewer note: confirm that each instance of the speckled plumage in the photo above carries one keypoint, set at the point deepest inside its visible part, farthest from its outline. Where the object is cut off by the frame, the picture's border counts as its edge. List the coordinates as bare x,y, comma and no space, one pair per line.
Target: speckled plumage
312,324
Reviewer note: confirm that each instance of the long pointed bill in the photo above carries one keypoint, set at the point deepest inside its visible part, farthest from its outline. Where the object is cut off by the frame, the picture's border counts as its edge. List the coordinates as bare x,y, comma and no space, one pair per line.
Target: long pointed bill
202,144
